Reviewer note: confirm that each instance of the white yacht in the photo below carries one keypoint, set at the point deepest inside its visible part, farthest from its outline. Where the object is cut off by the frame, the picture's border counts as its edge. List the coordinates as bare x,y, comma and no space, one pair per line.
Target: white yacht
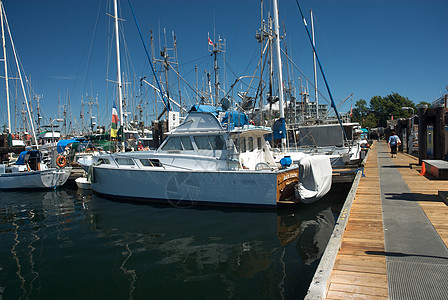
200,162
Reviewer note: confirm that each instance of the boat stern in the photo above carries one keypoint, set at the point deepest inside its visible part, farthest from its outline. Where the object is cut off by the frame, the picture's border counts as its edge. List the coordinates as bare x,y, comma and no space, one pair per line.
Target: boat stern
287,180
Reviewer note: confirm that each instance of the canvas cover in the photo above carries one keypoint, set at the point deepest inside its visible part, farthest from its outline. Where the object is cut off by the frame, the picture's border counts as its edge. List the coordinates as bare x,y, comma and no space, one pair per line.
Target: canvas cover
316,179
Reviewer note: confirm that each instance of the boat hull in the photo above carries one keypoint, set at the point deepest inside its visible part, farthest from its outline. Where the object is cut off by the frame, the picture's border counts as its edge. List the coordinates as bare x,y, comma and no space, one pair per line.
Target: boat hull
83,183
45,179
196,187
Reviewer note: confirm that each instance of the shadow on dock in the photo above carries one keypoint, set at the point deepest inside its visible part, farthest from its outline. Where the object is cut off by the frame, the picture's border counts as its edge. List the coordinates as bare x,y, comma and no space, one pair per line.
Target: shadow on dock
400,254
413,197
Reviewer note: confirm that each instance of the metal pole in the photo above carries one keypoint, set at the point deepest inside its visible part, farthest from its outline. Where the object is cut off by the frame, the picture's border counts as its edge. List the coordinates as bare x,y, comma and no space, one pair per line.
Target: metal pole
120,87
21,83
279,61
315,70
279,67
6,68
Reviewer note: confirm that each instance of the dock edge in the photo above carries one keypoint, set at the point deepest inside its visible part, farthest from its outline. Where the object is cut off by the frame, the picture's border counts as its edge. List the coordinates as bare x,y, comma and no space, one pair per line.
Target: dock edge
319,285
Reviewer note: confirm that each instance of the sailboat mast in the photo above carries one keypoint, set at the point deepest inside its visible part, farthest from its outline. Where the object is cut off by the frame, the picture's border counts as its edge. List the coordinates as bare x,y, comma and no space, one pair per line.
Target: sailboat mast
316,99
6,67
120,86
20,77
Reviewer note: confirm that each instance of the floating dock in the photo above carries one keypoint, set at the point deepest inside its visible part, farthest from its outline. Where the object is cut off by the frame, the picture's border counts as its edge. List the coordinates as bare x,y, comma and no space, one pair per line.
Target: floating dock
390,241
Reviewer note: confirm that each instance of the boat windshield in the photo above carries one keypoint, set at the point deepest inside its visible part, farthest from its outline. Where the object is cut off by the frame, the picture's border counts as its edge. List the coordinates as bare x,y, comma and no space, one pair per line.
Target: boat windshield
203,142
210,142
178,143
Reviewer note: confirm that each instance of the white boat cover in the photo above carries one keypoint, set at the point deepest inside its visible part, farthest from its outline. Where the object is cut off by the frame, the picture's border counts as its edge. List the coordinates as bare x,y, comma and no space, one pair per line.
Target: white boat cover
316,179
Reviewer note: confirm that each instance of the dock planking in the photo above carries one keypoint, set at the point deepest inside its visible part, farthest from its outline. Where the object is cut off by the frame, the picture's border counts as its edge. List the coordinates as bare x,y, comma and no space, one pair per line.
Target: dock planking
358,272
426,188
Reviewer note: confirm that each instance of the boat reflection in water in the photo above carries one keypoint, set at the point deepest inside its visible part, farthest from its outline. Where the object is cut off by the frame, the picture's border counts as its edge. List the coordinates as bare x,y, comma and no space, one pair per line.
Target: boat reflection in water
108,249
28,221
200,250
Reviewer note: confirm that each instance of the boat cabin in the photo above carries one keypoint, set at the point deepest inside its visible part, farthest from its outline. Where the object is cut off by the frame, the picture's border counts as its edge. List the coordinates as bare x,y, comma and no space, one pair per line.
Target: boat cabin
202,134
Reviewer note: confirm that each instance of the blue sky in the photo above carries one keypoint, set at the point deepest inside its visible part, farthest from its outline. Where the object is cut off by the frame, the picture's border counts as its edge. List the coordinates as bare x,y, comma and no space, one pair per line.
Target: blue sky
367,48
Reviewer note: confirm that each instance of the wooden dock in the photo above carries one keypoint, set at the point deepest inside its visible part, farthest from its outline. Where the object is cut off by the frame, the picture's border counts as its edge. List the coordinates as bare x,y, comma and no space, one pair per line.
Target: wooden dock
358,267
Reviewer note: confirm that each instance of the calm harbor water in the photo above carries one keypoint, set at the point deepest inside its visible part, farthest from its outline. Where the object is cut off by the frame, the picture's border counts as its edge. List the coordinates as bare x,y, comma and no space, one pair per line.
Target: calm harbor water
69,244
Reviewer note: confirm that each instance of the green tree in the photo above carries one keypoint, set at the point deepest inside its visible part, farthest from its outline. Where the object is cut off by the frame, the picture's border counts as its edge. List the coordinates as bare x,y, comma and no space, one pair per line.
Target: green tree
360,111
363,114
423,103
391,105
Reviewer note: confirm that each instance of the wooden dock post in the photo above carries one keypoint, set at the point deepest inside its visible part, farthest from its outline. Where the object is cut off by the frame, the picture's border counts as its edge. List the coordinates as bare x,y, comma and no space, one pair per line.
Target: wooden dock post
439,132
409,140
422,130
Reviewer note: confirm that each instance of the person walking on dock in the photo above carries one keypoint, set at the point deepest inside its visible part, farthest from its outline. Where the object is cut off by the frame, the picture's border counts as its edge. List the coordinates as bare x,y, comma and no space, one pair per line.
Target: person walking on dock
394,141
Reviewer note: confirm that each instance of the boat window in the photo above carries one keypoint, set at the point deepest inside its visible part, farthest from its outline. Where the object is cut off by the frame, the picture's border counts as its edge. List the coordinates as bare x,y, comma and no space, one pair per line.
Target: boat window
250,140
103,161
150,162
124,161
259,144
236,143
202,142
243,144
217,142
173,143
186,143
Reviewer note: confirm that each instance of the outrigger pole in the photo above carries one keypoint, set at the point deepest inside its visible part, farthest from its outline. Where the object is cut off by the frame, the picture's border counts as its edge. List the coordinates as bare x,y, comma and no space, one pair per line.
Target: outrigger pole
166,102
322,71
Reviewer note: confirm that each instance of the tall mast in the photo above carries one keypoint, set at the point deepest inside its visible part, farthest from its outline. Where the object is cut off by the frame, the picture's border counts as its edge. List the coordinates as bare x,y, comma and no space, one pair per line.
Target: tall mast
217,47
315,72
120,86
215,52
279,61
177,70
6,67
20,78
279,67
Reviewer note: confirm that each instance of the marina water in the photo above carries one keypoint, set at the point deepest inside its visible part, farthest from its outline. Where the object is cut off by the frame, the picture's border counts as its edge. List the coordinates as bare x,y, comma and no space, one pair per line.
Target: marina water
70,244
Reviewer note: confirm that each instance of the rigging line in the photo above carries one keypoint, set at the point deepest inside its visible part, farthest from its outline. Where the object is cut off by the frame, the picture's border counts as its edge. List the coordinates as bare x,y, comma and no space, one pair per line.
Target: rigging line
248,65
193,89
322,36
89,55
239,77
166,103
260,87
192,61
198,65
306,78
322,71
255,71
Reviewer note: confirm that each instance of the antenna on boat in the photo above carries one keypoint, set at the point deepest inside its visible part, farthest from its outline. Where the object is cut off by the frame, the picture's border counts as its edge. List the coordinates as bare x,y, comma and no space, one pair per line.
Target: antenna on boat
217,47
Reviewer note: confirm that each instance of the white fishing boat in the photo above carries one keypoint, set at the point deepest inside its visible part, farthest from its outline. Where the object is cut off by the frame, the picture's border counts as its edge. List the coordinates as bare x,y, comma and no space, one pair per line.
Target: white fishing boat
199,163
29,172
343,144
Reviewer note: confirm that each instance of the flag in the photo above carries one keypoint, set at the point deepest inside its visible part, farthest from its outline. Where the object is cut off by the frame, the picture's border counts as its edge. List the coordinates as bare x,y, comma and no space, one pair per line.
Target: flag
210,42
351,110
113,127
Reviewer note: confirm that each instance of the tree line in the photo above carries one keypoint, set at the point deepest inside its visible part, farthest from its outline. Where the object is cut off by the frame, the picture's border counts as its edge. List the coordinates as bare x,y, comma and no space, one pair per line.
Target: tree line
380,109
